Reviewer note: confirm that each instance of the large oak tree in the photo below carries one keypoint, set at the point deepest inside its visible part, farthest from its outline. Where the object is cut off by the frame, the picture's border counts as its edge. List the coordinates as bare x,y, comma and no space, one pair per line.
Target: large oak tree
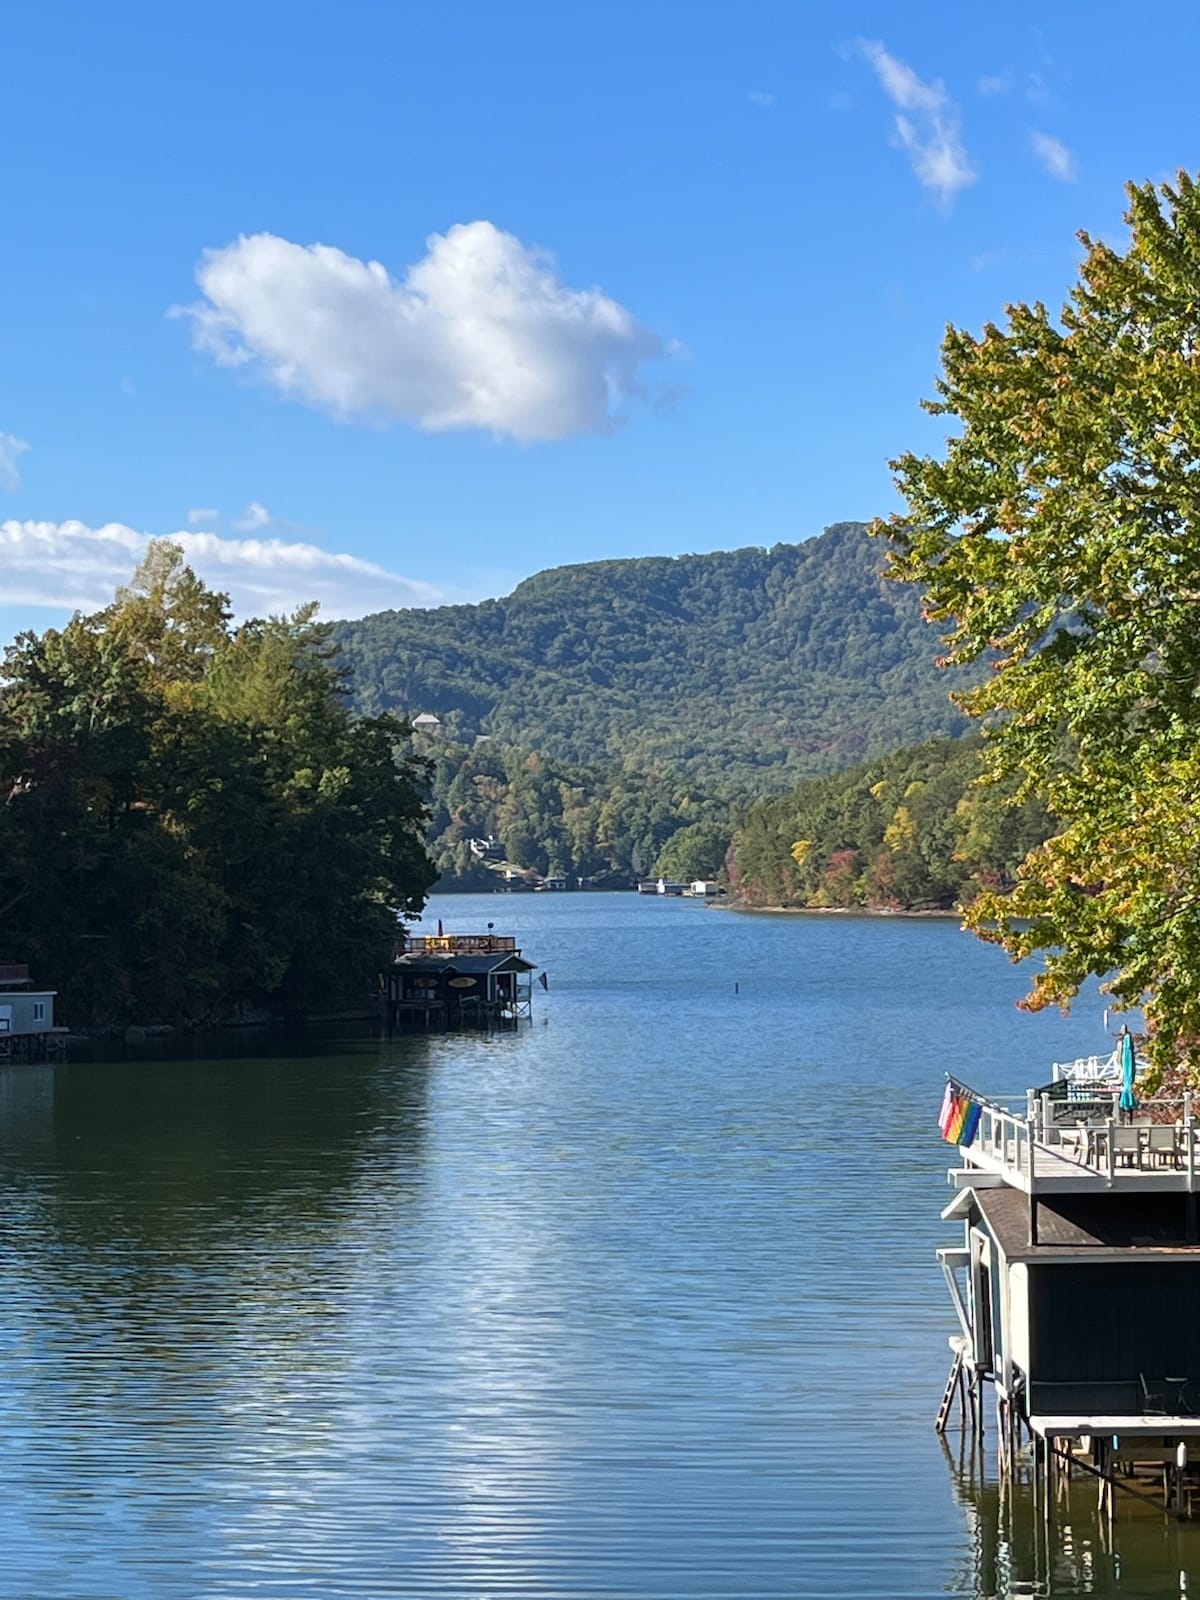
1059,537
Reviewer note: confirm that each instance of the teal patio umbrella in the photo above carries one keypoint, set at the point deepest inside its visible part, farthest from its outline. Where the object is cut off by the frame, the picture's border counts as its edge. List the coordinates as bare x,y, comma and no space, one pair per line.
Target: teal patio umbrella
1128,1100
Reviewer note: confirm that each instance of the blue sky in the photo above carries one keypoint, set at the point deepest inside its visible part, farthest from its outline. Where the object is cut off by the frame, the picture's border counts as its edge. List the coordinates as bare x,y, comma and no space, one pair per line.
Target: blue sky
652,278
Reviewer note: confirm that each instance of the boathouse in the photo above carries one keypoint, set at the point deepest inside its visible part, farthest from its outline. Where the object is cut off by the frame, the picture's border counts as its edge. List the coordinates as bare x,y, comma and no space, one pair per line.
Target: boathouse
27,1028
1076,1284
458,981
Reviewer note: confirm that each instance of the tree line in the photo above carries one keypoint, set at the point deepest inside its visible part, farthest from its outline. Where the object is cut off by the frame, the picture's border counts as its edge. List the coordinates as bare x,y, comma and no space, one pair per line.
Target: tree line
191,819
602,827
913,831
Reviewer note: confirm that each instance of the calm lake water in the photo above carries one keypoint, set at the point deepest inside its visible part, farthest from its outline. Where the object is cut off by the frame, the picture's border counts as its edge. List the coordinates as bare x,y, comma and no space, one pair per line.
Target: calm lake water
638,1302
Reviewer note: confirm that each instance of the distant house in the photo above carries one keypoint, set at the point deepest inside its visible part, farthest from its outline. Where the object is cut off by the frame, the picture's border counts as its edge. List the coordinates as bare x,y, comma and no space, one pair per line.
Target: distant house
488,849
426,722
704,889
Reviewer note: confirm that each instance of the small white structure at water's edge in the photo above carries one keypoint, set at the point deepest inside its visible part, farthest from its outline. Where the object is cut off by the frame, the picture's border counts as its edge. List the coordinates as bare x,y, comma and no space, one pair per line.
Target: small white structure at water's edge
27,1011
27,1027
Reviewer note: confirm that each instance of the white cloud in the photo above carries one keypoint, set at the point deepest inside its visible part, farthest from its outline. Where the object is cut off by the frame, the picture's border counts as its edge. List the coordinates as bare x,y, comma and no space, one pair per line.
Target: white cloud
67,565
480,333
11,450
760,98
1054,156
997,82
932,135
200,514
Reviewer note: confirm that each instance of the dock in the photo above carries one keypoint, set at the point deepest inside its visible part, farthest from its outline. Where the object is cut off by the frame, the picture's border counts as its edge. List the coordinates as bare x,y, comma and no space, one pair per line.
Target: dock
1076,1286
449,981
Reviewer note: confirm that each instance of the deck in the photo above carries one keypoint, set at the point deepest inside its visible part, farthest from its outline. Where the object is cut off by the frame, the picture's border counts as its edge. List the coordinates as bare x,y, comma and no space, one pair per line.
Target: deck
1032,1150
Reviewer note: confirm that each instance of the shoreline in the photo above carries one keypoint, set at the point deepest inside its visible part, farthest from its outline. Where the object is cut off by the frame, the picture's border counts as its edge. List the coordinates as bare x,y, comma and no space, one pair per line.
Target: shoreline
835,911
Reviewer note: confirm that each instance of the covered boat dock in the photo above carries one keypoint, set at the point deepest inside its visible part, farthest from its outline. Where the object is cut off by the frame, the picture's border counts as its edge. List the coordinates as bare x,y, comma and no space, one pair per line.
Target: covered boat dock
440,981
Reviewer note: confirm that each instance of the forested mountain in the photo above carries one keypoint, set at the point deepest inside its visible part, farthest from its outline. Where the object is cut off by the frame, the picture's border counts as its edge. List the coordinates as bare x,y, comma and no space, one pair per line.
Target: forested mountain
736,673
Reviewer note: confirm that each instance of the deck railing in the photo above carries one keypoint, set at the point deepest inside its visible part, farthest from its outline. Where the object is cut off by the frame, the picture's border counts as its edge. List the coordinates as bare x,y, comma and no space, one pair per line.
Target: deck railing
1160,1135
1006,1135
460,944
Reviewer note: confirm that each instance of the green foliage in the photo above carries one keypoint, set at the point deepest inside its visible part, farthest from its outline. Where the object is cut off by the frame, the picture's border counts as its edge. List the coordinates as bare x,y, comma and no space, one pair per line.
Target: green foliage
1059,531
603,825
915,830
696,851
192,819
727,675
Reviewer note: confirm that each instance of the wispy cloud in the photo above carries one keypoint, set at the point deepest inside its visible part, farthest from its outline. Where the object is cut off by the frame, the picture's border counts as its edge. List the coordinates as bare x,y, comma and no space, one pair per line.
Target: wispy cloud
11,451
254,517
199,515
1054,157
760,98
926,126
1033,83
480,333
68,565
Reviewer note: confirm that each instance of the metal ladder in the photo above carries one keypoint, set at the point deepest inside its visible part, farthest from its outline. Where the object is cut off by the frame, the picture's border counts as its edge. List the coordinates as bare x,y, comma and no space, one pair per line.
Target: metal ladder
943,1416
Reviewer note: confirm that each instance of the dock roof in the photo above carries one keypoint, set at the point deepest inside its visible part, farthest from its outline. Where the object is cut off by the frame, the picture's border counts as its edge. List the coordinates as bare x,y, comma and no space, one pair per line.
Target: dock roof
1071,1226
470,966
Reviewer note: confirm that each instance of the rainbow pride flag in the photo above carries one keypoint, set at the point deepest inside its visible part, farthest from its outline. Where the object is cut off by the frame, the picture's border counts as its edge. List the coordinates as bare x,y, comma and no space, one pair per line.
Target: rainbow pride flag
959,1116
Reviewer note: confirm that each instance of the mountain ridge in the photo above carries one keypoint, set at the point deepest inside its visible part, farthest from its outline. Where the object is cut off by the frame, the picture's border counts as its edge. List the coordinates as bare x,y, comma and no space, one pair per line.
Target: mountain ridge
740,670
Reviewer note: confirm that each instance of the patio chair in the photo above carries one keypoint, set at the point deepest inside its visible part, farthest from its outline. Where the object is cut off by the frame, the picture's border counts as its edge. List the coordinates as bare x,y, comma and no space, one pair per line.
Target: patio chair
1127,1146
1166,1397
1162,1147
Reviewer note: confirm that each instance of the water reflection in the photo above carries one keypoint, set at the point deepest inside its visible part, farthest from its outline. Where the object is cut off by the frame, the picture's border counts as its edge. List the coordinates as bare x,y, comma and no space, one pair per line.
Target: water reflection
637,1303
1019,1545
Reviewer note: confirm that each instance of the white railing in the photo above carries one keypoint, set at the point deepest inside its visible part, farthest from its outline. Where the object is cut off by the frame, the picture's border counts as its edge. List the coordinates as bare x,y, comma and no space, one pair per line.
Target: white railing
1160,1136
1006,1136
1096,1069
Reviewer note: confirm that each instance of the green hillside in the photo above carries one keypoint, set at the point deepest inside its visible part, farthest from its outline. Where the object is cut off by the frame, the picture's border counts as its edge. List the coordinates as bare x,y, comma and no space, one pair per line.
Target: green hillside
913,830
737,672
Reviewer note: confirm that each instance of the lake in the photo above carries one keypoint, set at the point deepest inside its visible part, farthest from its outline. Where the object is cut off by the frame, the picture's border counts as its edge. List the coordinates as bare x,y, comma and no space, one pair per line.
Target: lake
639,1301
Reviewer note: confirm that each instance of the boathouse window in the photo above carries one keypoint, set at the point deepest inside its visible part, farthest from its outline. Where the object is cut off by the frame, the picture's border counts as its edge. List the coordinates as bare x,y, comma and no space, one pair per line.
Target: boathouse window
39,1011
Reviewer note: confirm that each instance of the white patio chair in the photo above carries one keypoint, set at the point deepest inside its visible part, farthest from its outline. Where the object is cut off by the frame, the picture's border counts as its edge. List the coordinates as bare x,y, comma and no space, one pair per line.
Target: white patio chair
1162,1147
1127,1146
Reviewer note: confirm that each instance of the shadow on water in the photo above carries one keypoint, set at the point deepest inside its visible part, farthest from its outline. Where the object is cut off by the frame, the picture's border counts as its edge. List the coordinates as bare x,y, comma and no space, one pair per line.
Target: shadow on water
164,1152
211,1226
1017,1545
